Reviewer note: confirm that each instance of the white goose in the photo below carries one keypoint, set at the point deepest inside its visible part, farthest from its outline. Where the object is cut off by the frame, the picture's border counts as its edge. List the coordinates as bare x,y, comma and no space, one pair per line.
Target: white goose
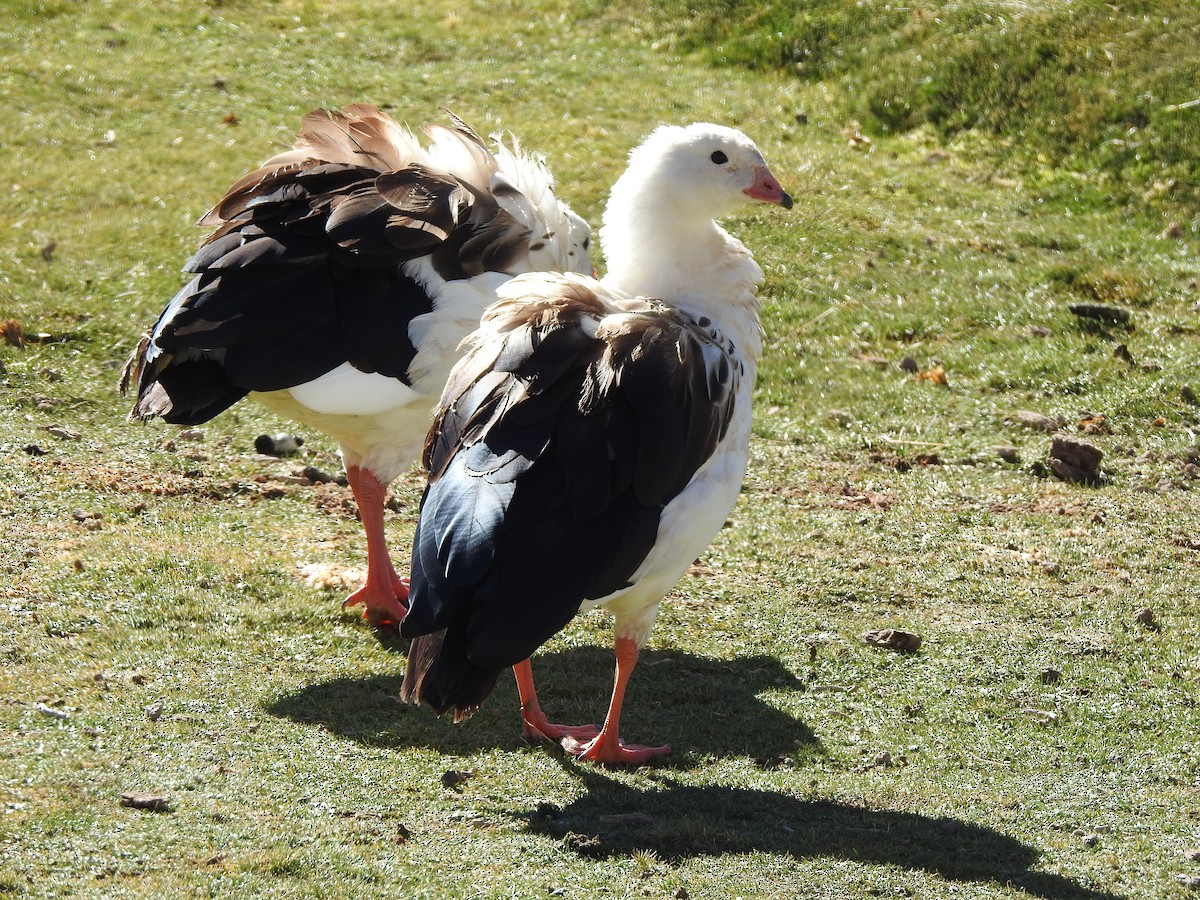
336,289
593,440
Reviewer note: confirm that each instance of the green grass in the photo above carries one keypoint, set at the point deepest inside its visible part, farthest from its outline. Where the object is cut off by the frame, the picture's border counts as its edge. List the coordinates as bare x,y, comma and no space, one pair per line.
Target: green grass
1104,86
142,568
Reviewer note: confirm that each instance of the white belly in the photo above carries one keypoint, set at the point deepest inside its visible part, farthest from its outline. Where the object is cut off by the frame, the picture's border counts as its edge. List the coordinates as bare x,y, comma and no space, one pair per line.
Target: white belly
348,392
688,525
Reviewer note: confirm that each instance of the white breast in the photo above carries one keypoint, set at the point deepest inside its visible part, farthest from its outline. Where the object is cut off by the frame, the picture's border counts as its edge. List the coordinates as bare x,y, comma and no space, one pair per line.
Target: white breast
348,392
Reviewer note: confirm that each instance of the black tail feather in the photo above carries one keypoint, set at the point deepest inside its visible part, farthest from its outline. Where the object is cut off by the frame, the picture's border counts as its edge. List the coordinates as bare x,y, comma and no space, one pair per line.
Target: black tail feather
440,675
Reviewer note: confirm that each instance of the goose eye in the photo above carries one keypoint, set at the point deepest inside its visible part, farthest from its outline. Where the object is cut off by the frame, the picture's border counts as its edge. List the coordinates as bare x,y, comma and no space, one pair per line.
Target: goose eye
719,158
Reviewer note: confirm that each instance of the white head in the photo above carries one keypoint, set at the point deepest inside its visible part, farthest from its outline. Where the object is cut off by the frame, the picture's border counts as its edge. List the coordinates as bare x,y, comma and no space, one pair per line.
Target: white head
659,233
705,169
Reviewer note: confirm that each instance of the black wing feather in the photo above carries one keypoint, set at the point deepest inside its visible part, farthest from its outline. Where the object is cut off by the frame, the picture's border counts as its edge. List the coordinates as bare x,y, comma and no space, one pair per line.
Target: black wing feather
548,483
305,273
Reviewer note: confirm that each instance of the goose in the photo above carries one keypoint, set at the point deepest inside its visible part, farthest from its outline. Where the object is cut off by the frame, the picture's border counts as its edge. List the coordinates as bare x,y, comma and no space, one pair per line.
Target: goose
338,283
592,440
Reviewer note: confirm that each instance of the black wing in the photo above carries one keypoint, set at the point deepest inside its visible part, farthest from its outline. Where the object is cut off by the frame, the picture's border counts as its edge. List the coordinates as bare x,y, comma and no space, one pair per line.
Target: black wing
551,460
306,273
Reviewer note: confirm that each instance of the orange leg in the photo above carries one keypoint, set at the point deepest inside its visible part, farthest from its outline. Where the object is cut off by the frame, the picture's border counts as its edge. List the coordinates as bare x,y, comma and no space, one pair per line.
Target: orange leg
384,592
607,747
534,724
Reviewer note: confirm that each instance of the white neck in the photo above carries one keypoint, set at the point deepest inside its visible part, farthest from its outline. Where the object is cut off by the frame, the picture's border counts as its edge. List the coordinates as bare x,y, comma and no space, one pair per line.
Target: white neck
687,261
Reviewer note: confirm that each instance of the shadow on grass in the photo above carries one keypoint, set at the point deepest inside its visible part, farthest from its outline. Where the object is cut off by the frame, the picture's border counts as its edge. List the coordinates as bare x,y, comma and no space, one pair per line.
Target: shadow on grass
682,821
703,707
697,704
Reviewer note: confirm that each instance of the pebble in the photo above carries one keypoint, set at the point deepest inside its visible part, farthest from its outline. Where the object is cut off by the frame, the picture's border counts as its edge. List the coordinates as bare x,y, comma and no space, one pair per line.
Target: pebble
1007,453
1074,460
278,444
893,639
1050,676
63,433
142,800
1036,420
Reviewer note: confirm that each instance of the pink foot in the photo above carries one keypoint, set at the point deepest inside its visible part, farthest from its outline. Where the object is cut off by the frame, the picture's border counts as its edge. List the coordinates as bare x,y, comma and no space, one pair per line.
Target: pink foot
535,731
604,750
382,608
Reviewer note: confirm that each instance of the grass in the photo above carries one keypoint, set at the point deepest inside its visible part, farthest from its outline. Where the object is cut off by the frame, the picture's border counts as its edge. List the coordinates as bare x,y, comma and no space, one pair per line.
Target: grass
1041,743
1089,84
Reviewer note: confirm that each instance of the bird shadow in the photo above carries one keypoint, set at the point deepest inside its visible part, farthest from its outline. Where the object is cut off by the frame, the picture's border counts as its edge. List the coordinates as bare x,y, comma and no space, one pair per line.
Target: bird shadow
678,821
673,820
662,703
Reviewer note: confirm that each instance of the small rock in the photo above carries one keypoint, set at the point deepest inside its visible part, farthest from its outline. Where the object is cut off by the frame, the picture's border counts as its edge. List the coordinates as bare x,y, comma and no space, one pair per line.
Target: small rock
34,450
1112,315
883,758
191,434
1144,616
1074,460
452,779
52,712
1007,453
1029,419
403,835
1189,881
547,811
1189,396
1091,839
909,365
154,711
583,844
63,433
1173,230
840,416
1050,676
893,639
317,476
142,800
278,445
1193,854
13,333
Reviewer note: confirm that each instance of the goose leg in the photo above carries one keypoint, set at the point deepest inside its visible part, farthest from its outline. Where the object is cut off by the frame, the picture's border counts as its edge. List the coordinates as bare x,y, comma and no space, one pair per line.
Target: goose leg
384,592
534,724
607,747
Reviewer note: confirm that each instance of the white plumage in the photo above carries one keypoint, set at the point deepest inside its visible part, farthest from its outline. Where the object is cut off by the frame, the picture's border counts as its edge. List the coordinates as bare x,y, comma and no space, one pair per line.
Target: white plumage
594,439
337,286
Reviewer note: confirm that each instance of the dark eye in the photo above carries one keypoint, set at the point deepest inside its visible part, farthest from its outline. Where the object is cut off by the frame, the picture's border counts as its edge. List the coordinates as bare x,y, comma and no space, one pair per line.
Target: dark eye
719,158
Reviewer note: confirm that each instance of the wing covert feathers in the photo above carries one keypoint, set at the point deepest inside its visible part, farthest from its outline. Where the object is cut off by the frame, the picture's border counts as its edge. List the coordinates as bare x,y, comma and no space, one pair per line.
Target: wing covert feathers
306,268
575,417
